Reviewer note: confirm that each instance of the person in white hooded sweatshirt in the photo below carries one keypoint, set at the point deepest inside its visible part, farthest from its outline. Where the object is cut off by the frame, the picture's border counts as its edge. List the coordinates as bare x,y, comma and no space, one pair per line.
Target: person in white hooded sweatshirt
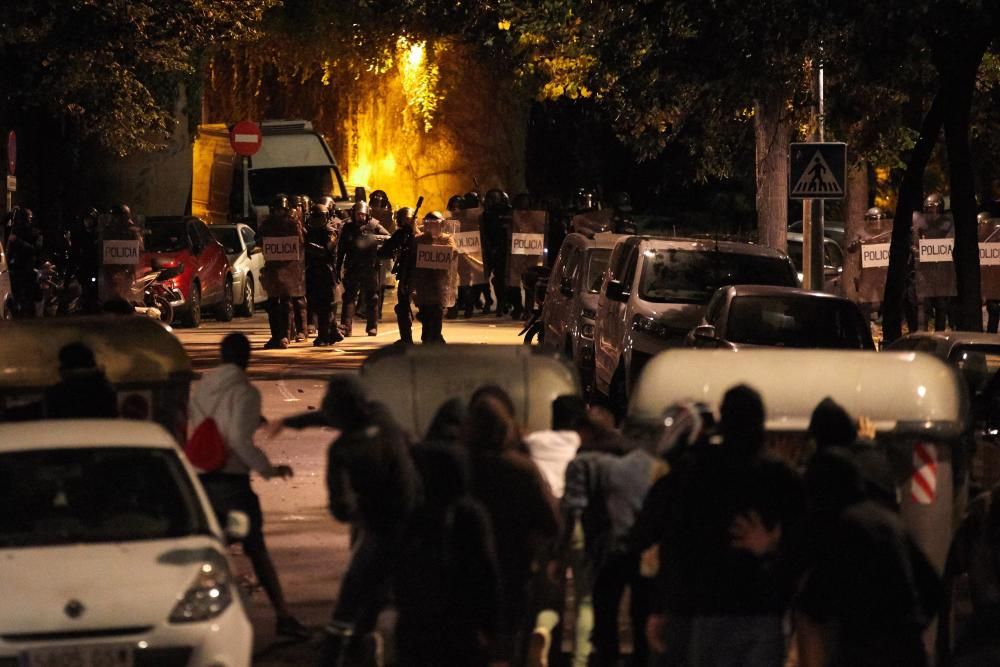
227,396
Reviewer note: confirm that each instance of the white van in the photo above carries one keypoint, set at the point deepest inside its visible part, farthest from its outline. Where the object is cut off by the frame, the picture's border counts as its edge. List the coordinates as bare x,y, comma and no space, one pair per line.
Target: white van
918,403
293,159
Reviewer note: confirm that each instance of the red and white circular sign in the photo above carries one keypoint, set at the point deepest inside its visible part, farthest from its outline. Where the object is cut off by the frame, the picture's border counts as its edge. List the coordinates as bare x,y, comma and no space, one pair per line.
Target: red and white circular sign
245,138
11,153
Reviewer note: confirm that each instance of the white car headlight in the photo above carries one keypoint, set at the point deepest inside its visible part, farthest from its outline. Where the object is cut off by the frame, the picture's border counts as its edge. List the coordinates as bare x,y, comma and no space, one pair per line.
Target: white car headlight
209,594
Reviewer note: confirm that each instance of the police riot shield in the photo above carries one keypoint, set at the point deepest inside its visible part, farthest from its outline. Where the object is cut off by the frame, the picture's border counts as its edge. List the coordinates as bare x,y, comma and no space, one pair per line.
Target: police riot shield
989,258
527,243
871,250
934,238
465,226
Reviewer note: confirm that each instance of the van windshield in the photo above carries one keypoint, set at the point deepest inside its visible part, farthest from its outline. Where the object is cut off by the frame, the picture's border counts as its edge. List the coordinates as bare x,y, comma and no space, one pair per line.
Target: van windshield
313,181
691,276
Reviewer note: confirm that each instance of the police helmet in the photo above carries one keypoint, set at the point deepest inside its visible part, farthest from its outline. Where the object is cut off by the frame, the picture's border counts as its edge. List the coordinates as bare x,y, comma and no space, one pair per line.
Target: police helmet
584,200
360,210
304,202
319,209
456,203
471,199
434,216
522,201
379,199
934,203
984,218
875,213
279,203
121,210
404,216
496,199
327,201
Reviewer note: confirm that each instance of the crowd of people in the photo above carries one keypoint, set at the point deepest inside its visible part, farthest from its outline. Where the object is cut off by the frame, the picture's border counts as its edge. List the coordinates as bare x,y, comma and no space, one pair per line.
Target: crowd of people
474,533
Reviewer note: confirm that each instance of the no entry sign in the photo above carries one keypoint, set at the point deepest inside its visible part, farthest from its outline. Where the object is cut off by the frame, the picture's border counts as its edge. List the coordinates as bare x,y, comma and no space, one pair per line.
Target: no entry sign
245,138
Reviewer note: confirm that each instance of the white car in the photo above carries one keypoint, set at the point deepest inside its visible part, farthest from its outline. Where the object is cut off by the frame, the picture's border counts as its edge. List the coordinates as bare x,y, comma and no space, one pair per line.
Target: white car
111,554
247,260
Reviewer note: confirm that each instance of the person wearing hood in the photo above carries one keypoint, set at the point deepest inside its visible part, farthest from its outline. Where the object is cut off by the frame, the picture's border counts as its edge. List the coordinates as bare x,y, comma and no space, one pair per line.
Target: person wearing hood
227,396
83,390
372,485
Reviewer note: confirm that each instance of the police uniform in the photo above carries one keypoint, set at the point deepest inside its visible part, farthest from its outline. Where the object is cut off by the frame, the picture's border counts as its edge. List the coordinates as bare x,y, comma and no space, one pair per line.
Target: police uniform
357,261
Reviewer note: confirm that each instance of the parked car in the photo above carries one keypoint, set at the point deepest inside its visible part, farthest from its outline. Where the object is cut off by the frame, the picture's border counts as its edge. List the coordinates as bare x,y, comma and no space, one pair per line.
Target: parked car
656,289
833,229
113,554
571,300
6,298
205,280
833,261
247,260
741,316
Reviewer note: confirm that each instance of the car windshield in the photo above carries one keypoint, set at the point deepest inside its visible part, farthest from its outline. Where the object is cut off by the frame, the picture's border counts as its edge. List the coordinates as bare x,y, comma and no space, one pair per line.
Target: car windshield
228,237
165,237
597,263
95,495
313,181
796,321
691,276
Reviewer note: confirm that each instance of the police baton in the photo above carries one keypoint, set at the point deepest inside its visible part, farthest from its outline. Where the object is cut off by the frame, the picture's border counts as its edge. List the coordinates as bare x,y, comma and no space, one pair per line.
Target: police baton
416,210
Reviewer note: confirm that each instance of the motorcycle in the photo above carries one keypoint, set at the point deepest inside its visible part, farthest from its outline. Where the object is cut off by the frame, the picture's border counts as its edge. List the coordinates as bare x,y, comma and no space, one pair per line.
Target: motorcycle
151,297
60,294
536,283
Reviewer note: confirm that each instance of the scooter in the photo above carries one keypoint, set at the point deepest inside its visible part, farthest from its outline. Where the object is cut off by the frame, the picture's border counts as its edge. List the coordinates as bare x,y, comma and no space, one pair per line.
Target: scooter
151,297
536,283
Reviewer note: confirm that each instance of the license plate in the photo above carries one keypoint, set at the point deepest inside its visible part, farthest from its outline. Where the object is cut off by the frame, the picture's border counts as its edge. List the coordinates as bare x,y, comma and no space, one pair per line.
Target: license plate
79,656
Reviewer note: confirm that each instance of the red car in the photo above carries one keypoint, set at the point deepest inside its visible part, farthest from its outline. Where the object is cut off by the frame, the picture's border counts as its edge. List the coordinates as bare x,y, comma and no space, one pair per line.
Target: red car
205,279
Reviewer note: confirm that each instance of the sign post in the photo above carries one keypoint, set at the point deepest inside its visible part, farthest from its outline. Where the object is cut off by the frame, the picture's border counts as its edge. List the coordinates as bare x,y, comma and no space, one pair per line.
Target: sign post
246,139
816,171
11,169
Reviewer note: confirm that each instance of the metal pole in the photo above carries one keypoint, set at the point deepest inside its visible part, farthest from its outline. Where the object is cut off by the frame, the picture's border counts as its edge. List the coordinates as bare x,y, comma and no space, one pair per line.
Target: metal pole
814,279
246,187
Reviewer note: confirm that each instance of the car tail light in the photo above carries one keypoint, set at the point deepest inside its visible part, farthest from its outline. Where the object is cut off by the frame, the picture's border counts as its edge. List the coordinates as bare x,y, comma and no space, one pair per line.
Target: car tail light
209,595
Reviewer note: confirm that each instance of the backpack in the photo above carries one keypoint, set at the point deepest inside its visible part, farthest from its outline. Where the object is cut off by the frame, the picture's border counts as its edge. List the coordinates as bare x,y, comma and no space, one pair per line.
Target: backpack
206,448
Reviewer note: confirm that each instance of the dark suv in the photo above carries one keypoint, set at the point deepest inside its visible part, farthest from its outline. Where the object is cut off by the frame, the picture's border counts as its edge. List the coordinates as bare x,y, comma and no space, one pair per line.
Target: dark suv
205,278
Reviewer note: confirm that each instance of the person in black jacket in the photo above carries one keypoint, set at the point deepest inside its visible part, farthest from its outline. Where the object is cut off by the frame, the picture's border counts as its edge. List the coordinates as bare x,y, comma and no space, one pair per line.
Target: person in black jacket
357,256
83,390
321,281
372,485
402,249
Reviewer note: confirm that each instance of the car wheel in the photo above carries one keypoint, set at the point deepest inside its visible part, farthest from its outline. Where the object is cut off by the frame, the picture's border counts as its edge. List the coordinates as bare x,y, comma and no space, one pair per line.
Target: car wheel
192,316
248,307
224,311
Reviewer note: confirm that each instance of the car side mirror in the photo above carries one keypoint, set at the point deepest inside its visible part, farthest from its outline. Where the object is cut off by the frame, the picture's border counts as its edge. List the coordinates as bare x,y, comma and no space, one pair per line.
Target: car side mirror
706,333
256,250
237,525
616,291
832,271
566,286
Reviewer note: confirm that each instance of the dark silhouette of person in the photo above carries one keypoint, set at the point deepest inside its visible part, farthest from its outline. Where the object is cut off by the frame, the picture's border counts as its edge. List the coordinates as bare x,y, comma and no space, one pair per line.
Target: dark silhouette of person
83,390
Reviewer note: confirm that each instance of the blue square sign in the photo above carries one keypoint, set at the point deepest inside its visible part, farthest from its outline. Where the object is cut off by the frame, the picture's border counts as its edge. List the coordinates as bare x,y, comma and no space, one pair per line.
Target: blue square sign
817,170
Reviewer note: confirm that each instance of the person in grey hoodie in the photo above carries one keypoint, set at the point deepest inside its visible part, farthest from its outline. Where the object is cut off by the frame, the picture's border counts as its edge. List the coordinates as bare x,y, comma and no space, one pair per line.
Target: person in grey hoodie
227,396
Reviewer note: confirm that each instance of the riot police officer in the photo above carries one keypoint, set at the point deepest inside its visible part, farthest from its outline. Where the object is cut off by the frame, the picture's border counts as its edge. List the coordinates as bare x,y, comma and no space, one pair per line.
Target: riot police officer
435,287
321,256
85,259
401,248
24,247
495,234
934,223
116,280
357,262
282,277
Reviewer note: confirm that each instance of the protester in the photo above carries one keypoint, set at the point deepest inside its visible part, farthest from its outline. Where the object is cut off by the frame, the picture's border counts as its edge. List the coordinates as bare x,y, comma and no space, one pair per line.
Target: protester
734,597
553,449
520,506
83,389
372,485
227,396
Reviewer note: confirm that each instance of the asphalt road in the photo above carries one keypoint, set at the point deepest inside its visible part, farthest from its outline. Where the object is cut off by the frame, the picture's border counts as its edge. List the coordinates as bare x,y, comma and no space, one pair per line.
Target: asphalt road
309,548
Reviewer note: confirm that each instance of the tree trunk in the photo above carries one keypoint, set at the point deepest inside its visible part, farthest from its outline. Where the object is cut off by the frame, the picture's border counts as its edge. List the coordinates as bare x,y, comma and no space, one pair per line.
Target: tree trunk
772,130
959,87
855,207
910,196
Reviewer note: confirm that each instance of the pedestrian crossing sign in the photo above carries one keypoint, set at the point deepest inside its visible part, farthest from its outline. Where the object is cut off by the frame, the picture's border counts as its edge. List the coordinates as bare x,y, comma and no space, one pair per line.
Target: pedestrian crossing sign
817,170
